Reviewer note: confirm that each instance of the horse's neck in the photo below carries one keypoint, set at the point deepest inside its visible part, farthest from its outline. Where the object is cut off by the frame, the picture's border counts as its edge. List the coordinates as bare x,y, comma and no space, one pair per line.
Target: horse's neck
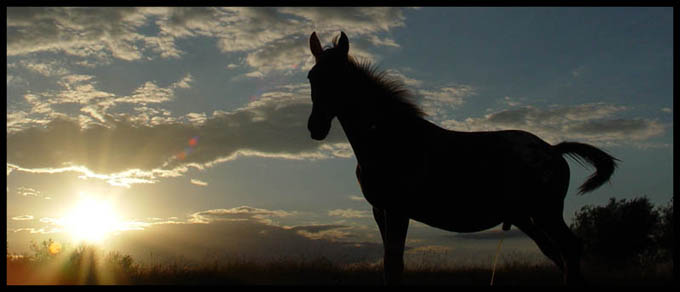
356,127
367,128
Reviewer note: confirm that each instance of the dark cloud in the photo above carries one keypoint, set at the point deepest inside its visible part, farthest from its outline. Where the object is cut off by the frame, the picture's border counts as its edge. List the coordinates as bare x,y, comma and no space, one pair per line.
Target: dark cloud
317,228
594,122
273,127
250,239
634,128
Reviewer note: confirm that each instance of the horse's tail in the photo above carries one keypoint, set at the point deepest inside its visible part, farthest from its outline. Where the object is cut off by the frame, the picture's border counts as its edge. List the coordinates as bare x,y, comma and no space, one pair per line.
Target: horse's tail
603,162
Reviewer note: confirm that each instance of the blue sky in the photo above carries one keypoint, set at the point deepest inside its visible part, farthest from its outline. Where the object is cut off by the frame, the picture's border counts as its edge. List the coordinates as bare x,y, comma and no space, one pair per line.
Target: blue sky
187,120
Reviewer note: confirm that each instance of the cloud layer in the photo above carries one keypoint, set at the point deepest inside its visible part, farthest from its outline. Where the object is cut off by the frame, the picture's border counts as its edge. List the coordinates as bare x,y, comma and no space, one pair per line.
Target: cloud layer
274,38
221,234
141,148
593,122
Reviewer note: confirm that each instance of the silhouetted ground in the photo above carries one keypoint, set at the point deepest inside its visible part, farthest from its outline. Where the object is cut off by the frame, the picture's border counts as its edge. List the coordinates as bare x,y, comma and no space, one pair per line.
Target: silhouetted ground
315,272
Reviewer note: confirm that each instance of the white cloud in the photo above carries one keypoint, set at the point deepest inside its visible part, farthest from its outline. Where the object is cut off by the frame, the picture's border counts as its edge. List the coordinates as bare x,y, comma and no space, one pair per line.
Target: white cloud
349,213
437,103
149,92
22,218
408,81
50,68
255,74
330,232
184,82
81,90
357,198
198,182
242,213
29,192
76,31
196,119
274,38
375,40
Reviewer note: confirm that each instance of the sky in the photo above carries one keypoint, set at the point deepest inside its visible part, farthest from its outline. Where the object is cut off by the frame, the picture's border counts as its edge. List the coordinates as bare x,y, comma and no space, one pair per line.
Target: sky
181,132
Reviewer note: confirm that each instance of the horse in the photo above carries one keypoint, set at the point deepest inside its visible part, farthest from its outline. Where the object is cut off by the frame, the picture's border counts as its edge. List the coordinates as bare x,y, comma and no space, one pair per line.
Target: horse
410,168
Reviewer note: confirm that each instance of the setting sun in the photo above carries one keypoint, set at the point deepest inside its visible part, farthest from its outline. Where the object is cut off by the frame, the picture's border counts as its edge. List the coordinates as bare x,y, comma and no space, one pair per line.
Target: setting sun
91,220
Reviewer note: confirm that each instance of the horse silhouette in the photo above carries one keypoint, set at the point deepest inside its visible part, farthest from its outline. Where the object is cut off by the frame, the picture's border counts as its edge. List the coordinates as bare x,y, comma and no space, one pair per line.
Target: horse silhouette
409,168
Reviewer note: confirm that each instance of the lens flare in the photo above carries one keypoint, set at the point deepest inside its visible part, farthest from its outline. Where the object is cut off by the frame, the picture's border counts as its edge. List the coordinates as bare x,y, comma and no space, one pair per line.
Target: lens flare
54,248
193,142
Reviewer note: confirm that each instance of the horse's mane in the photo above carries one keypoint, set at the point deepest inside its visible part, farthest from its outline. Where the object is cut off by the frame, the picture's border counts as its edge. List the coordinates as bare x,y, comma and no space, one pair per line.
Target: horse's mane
393,96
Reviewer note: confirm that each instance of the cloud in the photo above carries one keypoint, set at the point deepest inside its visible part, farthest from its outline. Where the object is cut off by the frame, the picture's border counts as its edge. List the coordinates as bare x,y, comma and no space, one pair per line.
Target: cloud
81,90
35,230
243,213
349,213
437,103
22,218
15,81
29,192
184,82
354,20
198,182
509,101
593,122
150,144
248,239
273,38
221,234
331,232
408,81
280,55
375,40
47,69
357,198
75,31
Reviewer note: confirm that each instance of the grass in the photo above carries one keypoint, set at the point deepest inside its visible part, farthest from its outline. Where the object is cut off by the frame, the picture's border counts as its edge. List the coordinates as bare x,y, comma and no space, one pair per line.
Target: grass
87,265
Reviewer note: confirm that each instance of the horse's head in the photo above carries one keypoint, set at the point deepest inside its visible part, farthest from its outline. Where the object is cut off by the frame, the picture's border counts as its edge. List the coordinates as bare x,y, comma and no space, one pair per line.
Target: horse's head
327,79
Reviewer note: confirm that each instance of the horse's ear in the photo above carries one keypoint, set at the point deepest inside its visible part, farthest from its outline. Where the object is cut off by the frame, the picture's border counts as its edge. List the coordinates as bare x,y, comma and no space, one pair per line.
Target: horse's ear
315,45
343,43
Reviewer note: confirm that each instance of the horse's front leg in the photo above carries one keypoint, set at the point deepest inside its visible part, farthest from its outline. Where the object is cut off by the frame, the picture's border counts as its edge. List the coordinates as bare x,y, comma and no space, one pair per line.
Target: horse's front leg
393,228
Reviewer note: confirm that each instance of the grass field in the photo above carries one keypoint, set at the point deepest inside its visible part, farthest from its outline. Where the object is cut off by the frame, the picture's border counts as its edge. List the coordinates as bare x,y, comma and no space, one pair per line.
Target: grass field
87,267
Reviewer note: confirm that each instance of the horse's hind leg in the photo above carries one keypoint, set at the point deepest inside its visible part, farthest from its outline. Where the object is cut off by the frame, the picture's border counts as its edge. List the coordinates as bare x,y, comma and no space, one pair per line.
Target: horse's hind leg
379,216
544,243
569,245
393,228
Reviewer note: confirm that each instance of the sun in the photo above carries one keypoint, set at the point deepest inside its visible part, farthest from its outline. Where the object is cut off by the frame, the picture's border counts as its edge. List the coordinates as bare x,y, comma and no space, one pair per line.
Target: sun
91,220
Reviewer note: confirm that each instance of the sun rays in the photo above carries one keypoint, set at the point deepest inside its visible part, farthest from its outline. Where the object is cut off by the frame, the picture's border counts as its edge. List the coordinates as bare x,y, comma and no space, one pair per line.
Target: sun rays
91,220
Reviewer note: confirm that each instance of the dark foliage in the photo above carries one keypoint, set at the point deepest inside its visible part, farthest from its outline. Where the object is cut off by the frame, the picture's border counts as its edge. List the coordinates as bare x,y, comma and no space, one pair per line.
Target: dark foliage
625,232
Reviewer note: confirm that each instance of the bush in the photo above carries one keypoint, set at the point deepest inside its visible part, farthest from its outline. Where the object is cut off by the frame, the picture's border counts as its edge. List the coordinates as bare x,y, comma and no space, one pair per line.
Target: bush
663,238
624,232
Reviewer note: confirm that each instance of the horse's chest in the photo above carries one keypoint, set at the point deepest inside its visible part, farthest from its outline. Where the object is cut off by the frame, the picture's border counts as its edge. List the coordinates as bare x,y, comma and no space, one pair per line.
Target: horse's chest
393,183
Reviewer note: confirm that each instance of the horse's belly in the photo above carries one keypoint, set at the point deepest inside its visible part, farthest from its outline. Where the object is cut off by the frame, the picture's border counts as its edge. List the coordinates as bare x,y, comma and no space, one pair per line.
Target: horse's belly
458,217
447,204
452,212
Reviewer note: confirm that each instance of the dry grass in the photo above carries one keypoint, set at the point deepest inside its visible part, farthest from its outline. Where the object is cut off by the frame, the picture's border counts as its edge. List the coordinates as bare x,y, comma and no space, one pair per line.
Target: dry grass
116,269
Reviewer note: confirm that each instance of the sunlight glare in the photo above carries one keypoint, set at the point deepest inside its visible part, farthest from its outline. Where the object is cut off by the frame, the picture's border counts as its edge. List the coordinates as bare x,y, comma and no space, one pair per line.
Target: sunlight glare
91,220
